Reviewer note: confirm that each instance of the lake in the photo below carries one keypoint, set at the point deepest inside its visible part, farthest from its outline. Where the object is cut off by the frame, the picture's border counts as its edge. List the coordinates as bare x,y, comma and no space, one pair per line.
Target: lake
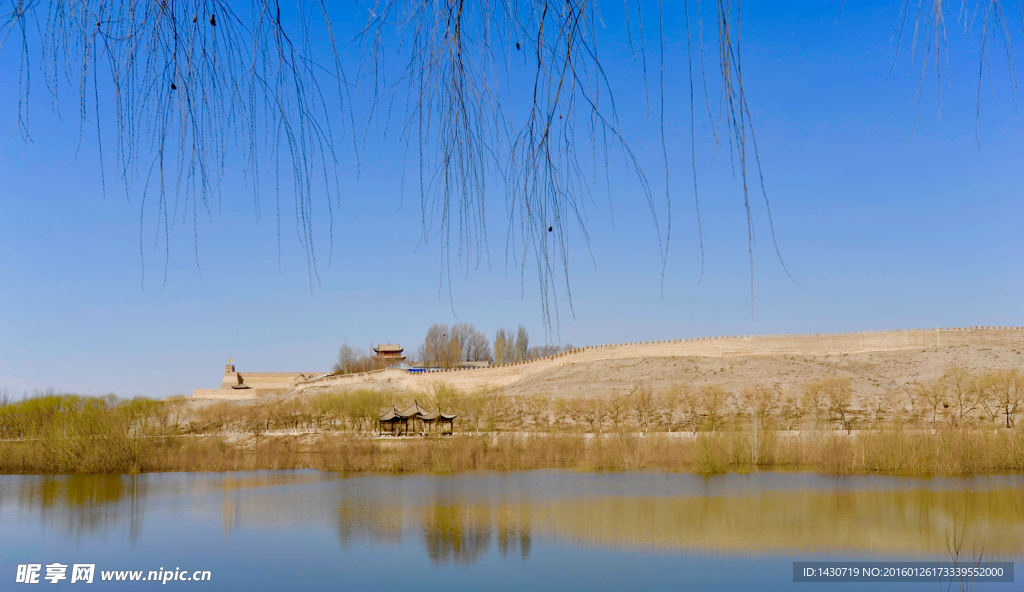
538,530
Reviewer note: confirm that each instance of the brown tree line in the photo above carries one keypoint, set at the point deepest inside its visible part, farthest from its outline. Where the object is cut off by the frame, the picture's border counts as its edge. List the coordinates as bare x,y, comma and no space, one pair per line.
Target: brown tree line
959,398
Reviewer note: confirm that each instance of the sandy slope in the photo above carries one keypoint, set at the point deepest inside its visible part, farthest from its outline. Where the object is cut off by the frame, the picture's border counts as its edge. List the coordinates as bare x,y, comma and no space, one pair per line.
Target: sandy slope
875,361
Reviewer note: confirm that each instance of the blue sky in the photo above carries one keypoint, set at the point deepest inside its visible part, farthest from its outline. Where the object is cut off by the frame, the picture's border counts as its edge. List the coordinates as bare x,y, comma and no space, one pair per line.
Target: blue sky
881,227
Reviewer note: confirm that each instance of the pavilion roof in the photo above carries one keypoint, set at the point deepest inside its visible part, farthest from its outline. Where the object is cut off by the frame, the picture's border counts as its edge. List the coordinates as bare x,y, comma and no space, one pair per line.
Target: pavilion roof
388,347
389,415
412,411
433,415
415,411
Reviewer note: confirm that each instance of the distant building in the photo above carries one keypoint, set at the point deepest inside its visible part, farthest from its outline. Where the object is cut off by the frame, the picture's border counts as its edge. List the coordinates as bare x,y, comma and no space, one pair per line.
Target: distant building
250,385
388,353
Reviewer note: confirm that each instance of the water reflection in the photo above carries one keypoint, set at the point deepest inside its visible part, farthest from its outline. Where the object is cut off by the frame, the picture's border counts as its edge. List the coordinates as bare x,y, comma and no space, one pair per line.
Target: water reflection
456,533
459,519
76,505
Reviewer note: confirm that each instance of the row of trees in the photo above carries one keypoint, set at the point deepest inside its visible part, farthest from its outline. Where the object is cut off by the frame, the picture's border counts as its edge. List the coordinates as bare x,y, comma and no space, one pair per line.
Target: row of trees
510,347
72,431
446,347
449,347
959,398
820,405
351,360
959,394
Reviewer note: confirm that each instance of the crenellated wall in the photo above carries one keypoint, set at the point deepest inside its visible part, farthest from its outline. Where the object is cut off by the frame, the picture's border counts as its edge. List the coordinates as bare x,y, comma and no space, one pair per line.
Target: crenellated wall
260,383
266,379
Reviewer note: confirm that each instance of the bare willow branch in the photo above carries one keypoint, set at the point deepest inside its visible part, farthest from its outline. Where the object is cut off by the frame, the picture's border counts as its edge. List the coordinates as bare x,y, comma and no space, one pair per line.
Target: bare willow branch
489,98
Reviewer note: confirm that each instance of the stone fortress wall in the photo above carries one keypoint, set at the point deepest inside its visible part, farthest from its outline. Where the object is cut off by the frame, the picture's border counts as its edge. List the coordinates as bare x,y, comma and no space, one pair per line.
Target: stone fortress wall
260,383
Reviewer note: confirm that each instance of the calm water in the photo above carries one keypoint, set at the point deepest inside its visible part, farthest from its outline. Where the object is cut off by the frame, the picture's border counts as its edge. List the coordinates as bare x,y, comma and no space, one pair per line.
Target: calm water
539,530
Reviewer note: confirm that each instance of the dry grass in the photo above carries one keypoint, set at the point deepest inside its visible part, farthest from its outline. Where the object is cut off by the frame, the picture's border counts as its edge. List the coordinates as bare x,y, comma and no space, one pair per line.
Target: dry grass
890,451
71,434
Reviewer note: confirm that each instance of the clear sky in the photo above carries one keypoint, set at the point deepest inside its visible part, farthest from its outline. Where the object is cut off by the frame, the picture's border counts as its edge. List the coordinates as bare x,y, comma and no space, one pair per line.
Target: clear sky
882,228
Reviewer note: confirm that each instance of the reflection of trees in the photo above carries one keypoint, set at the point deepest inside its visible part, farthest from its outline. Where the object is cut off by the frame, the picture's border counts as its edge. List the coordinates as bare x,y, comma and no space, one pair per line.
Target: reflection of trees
370,519
904,522
453,530
457,519
452,533
82,504
514,530
457,533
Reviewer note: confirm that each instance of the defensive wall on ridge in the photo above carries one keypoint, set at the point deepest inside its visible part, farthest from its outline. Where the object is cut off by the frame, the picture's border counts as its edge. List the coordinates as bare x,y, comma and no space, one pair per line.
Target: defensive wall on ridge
799,344
259,383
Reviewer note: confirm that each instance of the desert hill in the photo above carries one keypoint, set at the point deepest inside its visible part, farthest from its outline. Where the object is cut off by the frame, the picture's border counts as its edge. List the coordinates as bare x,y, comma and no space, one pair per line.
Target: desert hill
875,361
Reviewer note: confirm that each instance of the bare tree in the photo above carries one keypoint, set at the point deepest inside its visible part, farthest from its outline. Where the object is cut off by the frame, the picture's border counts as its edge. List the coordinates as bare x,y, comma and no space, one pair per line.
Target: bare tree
502,347
540,407
445,398
962,389
496,407
711,403
689,404
879,403
1008,391
460,335
473,344
598,409
522,345
560,411
645,405
790,412
902,405
839,395
350,360
759,399
618,407
984,391
582,410
671,401
440,348
932,396
815,402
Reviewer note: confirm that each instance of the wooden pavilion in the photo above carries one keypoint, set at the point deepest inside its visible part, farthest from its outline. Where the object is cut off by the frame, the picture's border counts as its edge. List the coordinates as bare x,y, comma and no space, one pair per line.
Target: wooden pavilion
388,352
415,420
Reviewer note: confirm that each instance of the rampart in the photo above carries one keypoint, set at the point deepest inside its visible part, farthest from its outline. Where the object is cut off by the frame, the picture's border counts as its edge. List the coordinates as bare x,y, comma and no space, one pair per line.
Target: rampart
257,384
